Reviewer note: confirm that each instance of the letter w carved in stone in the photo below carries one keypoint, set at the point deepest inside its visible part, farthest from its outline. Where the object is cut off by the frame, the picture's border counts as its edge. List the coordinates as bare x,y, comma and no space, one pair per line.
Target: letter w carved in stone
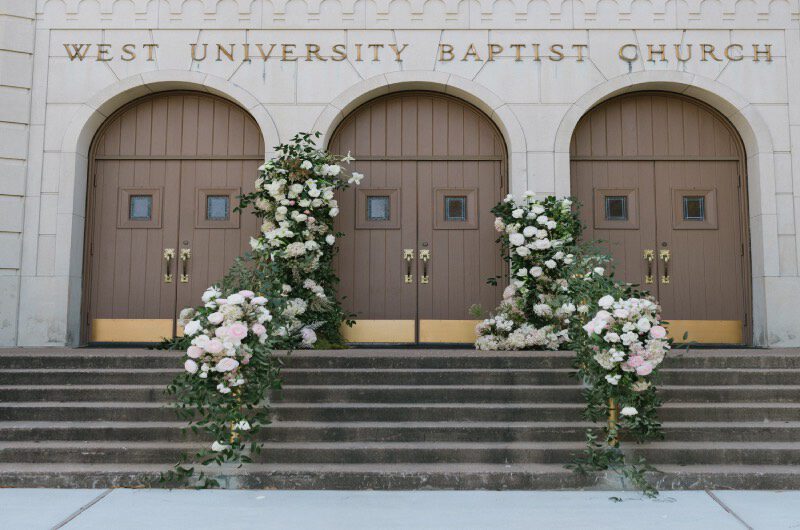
77,51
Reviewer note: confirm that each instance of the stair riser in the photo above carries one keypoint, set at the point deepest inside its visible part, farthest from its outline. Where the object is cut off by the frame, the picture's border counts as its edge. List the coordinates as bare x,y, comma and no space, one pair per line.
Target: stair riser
276,433
467,360
405,455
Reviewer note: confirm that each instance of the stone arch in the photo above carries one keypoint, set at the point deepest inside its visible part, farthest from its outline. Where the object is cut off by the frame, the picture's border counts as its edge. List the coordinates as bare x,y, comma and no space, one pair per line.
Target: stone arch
480,97
758,147
74,166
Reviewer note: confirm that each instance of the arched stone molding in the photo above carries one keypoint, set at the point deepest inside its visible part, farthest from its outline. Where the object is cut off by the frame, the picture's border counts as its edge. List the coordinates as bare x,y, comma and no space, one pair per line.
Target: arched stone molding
758,150
74,165
471,92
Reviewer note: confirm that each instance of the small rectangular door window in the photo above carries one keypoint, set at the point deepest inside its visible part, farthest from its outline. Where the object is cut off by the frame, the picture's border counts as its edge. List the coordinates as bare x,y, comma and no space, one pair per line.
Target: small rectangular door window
455,208
218,208
694,208
378,208
616,208
141,208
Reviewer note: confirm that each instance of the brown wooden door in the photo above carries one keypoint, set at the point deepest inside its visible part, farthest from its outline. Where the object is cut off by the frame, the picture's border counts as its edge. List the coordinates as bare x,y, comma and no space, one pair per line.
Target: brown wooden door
156,164
659,179
420,242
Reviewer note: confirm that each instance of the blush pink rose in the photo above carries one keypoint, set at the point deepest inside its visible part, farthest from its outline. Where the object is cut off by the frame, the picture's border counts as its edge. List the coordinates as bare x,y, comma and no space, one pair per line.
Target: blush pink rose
644,369
190,366
259,300
635,361
227,364
237,331
247,294
194,352
658,332
214,346
221,301
258,329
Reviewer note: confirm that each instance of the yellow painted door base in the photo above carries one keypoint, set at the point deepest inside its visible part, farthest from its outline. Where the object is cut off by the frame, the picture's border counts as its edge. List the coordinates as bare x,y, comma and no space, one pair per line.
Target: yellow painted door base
455,331
379,331
131,329
707,331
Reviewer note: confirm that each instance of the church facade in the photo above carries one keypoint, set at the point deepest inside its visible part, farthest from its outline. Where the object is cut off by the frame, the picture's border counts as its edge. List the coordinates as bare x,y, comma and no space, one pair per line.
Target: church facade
129,127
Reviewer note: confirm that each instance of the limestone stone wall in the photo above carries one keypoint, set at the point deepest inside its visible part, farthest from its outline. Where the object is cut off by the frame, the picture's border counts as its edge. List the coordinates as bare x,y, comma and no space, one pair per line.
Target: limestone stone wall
52,104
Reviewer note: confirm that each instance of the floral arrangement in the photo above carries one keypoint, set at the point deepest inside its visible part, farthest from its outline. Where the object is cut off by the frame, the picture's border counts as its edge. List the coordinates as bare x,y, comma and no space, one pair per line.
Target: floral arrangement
295,199
539,244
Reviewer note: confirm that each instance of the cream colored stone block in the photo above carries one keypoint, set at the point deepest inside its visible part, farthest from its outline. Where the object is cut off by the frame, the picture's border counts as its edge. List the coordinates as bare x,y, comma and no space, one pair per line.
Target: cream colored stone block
16,34
604,48
174,47
9,291
50,172
42,319
72,199
18,9
12,176
272,81
783,173
761,184
10,213
10,250
320,82
15,69
787,255
795,139
368,67
59,116
35,156
792,37
541,173
41,63
777,119
518,172
13,140
540,124
566,81
760,82
781,308
30,235
216,62
511,81
86,78
461,42
140,63
46,255
48,213
291,119
422,49
786,213
60,37
15,105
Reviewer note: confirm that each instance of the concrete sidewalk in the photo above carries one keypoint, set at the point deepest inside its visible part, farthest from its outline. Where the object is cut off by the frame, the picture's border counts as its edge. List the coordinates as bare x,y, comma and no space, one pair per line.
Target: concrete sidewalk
355,510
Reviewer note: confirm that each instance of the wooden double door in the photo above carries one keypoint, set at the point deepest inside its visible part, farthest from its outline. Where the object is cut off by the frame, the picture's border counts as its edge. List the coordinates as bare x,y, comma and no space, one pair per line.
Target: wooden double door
661,181
419,242
165,176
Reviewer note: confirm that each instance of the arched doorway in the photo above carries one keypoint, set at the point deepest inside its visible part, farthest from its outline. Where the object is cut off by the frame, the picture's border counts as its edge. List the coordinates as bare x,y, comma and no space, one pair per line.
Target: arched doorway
165,171
662,181
420,242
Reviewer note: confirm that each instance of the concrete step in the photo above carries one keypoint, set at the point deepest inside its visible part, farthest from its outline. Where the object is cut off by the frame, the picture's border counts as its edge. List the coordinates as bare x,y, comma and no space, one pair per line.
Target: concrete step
395,376
405,476
392,412
550,452
379,358
411,431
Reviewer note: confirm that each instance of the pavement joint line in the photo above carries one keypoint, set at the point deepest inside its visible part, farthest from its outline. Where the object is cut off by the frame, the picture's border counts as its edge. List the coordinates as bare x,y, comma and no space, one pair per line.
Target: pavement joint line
728,509
82,509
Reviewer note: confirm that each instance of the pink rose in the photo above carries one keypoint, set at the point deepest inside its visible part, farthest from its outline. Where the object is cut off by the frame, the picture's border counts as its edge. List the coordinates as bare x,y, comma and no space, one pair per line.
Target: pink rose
644,369
247,294
658,332
194,352
221,301
227,364
214,346
221,332
635,361
291,203
237,331
258,329
190,366
259,300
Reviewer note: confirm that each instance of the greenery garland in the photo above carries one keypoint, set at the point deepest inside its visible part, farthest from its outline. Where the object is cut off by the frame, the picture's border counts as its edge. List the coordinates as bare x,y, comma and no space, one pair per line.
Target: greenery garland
561,296
279,296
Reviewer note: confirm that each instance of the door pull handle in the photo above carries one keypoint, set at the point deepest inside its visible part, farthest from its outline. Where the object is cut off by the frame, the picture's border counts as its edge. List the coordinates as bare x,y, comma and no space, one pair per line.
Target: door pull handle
649,257
665,257
186,255
169,256
408,256
425,257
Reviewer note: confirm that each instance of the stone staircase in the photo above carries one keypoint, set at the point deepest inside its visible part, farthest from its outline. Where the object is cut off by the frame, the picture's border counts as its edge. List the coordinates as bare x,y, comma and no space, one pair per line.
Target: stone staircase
399,419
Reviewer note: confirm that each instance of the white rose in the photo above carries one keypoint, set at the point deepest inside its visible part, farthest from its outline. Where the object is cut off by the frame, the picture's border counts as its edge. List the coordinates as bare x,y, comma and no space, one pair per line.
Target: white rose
355,178
550,264
542,220
522,272
210,294
517,214
334,212
629,411
190,366
613,379
536,271
611,337
306,164
599,270
606,301
643,325
216,318
216,446
529,231
551,224
516,239
243,425
192,328
314,192
538,209
236,299
330,239
523,251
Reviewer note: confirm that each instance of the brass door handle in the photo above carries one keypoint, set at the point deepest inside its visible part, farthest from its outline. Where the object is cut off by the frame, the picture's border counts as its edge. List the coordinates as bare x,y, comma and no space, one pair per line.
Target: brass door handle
408,256
186,255
169,255
425,257
649,256
665,257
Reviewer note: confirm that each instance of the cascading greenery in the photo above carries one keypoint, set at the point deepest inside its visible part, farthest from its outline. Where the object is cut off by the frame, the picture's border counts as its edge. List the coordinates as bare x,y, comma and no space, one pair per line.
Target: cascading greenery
562,296
281,295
